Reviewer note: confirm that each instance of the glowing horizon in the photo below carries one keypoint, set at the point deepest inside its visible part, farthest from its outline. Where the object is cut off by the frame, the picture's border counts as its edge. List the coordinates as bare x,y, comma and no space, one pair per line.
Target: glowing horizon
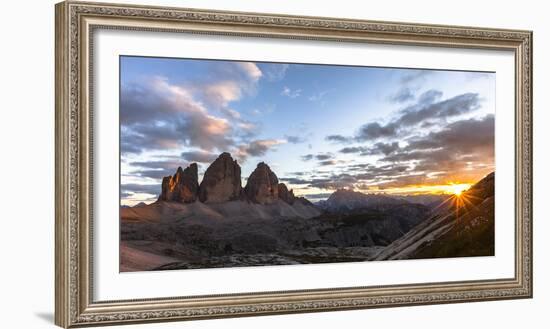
451,189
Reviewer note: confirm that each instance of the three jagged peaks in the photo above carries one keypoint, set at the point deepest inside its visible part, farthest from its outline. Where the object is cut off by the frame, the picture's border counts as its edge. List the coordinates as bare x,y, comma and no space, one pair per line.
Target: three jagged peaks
222,183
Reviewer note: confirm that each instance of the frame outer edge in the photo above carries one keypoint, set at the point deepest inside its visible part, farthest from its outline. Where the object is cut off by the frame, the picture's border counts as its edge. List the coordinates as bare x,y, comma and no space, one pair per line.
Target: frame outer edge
72,305
61,168
529,94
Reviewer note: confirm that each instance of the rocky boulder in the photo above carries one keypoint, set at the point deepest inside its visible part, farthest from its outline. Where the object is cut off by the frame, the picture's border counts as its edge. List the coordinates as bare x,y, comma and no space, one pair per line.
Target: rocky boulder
221,181
183,186
286,195
262,185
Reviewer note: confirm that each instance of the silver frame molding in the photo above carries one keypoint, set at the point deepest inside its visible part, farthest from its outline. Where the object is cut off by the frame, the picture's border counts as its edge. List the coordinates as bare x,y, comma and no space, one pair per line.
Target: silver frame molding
75,24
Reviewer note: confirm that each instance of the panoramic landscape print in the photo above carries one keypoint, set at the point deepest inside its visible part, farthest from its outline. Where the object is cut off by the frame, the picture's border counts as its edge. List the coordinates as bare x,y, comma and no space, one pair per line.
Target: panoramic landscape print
232,163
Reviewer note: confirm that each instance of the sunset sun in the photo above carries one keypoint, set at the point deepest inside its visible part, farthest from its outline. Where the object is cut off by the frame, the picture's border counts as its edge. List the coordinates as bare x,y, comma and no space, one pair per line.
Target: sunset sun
458,189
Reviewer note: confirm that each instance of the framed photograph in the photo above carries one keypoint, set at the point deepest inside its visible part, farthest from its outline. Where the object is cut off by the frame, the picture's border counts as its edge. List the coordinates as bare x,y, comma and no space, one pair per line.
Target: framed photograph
218,164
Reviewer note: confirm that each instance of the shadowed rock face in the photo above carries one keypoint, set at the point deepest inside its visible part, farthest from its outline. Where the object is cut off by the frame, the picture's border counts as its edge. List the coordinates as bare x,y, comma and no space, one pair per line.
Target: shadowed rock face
222,181
262,185
182,187
286,195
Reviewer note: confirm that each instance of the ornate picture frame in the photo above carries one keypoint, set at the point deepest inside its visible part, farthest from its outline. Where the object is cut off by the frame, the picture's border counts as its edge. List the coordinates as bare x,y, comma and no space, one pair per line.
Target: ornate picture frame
76,22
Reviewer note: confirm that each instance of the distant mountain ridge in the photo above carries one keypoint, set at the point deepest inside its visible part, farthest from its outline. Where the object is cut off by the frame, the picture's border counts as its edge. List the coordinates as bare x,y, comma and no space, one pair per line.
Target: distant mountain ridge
345,200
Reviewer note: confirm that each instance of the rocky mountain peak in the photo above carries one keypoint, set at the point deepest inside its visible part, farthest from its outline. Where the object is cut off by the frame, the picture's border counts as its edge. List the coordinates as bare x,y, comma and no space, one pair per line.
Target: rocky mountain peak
483,188
344,194
262,185
222,181
183,186
286,195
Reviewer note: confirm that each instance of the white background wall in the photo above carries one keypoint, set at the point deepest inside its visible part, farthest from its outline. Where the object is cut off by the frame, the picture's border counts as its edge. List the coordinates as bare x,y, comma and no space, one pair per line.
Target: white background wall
27,163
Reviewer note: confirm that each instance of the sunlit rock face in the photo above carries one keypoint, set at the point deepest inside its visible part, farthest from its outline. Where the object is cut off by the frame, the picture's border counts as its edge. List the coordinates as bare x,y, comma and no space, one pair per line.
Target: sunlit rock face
221,181
183,186
262,185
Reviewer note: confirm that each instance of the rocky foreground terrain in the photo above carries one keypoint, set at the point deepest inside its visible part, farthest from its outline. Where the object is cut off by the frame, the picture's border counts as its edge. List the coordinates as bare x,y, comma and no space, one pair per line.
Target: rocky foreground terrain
219,223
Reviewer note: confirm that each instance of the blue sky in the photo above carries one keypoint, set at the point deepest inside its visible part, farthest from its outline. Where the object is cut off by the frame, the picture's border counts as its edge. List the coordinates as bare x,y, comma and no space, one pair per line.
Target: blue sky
319,127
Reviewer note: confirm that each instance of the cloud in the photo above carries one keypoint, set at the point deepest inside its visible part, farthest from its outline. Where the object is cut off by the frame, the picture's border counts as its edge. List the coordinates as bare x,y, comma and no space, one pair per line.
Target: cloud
157,169
334,182
158,115
140,137
405,180
291,93
231,113
154,99
257,148
324,156
251,69
199,156
205,131
238,71
409,82
378,148
295,139
128,146
353,149
323,159
153,189
172,163
360,166
384,148
298,173
314,196
328,162
319,156
353,178
415,76
247,129
429,97
225,82
402,95
274,71
460,150
374,130
221,93
294,180
153,173
338,138
427,110
461,137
